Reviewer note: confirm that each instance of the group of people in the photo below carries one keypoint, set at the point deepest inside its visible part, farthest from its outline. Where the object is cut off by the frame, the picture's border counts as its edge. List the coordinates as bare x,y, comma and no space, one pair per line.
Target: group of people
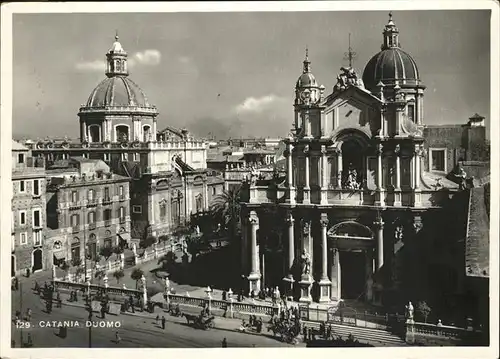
253,323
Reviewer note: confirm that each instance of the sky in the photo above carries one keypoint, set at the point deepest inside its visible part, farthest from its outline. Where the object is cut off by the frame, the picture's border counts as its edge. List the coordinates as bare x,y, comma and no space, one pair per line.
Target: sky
233,74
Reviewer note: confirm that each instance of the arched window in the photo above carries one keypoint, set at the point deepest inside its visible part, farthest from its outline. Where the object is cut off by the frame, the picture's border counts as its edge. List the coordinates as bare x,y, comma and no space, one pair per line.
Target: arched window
146,131
121,213
107,214
94,133
199,203
122,133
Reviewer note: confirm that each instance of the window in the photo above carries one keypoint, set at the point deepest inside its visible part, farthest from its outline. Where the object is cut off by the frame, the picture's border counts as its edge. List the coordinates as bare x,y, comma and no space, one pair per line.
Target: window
36,187
22,218
106,157
91,217
91,195
20,158
124,156
121,212
438,160
214,191
37,238
37,220
74,196
24,238
199,203
120,191
411,112
137,209
107,214
136,157
64,156
75,220
106,193
22,186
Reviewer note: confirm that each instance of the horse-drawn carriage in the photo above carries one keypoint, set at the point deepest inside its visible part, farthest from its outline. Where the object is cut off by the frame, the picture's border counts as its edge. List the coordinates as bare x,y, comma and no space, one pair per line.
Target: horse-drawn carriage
200,321
286,329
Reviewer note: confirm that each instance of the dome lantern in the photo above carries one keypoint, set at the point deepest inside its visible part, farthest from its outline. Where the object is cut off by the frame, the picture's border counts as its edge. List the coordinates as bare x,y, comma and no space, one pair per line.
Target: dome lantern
391,34
116,60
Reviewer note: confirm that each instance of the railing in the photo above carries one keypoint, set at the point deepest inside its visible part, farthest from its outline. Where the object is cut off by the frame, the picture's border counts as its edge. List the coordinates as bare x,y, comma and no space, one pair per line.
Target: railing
75,229
92,226
107,200
439,330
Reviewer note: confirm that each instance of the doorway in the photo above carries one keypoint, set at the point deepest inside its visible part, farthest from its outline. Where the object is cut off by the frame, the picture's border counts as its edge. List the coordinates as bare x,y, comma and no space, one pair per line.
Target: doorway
12,266
37,260
352,264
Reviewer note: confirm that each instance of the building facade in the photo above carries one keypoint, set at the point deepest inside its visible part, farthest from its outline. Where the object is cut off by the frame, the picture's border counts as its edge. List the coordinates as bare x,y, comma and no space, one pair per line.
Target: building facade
118,125
363,192
88,208
29,250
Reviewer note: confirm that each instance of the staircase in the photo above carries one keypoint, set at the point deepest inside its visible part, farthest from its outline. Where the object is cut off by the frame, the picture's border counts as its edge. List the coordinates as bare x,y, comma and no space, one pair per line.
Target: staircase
371,336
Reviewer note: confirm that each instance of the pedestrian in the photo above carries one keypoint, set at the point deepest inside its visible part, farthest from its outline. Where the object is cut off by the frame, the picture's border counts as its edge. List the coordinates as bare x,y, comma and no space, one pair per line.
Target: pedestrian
28,315
28,272
30,340
16,283
163,320
224,343
157,319
118,339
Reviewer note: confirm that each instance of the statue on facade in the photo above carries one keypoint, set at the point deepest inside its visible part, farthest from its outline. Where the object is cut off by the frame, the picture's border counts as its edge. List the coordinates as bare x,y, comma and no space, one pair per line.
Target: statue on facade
306,262
347,78
352,178
409,311
398,233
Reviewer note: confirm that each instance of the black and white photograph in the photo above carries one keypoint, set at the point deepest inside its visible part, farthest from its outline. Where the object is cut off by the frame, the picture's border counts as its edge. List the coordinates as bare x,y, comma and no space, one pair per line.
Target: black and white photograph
250,175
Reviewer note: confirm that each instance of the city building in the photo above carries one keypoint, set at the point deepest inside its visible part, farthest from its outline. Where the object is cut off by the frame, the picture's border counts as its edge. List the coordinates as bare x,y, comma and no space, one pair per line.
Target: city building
88,207
118,125
29,250
366,191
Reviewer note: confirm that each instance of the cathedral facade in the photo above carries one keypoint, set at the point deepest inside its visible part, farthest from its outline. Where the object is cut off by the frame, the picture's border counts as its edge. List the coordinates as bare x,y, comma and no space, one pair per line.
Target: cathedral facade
359,193
118,125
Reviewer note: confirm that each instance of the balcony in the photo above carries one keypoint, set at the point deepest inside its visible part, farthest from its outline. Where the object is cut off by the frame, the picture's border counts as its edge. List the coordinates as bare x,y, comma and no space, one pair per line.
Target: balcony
92,226
74,205
107,200
107,222
123,219
122,198
75,229
92,202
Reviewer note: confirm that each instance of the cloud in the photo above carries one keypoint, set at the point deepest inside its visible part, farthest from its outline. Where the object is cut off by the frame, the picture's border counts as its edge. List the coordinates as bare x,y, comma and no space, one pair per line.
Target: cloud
258,105
96,65
150,57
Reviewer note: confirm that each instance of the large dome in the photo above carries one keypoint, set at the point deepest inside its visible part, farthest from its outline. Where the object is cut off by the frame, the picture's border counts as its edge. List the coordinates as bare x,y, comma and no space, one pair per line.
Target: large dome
388,66
117,91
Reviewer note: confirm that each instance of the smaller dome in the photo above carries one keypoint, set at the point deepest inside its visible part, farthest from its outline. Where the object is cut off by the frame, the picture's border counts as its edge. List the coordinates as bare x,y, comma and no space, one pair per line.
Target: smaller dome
117,91
306,80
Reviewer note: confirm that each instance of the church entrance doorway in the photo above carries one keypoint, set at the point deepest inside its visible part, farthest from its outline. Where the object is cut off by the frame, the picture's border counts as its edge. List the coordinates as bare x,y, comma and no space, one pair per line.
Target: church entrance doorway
37,260
12,266
352,264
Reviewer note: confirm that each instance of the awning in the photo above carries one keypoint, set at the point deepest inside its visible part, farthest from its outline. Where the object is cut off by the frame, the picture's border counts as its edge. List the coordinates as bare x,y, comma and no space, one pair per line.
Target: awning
59,255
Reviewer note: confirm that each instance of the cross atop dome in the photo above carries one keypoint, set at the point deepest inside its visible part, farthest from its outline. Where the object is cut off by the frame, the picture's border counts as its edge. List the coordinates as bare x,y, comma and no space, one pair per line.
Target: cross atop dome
116,59
391,34
307,63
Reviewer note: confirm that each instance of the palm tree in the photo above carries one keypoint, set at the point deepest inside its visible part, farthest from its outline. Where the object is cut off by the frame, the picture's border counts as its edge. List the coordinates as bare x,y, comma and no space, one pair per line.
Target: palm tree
136,275
226,209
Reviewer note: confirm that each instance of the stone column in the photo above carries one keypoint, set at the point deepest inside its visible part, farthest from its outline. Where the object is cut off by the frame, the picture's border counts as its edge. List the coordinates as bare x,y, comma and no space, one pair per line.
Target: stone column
380,200
291,256
291,188
369,274
417,201
324,188
244,245
254,277
324,283
307,189
306,261
154,130
339,168
379,226
397,189
335,275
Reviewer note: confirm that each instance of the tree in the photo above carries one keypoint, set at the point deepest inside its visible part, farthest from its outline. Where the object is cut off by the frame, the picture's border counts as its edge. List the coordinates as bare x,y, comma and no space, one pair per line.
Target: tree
167,260
226,209
136,275
117,250
147,242
106,252
118,274
423,309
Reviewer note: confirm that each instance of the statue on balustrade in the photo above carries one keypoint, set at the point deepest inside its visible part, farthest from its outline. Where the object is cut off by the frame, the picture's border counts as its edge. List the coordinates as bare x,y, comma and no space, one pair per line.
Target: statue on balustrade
409,311
306,263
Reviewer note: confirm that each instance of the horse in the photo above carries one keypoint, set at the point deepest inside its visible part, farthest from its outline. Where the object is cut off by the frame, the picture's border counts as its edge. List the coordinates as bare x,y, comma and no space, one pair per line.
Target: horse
190,318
